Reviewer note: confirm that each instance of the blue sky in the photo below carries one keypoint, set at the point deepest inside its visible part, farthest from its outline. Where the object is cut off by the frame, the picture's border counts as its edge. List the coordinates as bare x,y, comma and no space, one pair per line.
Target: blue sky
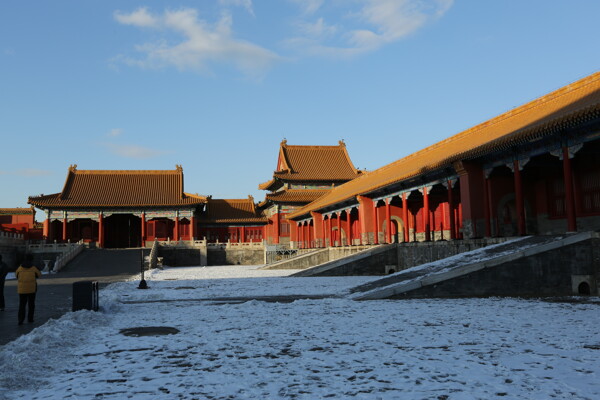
216,85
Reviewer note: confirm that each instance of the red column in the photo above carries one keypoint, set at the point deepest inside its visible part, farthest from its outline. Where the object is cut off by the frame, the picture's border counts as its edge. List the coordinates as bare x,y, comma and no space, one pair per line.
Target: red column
176,235
101,230
331,230
365,217
299,227
276,228
192,228
451,215
375,224
339,228
143,241
490,204
243,234
324,229
64,230
519,200
46,231
486,206
349,223
388,223
405,217
426,215
307,234
569,192
359,228
294,234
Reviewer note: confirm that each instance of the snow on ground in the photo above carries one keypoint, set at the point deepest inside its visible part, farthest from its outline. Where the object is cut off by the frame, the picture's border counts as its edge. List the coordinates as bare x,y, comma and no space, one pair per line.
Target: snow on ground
306,349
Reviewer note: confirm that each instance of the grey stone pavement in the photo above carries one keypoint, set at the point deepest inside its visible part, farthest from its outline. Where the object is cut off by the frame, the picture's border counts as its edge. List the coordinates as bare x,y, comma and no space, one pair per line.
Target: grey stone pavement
54,295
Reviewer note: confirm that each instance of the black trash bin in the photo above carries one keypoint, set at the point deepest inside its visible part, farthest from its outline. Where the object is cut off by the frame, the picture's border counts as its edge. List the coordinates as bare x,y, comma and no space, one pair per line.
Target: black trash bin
85,295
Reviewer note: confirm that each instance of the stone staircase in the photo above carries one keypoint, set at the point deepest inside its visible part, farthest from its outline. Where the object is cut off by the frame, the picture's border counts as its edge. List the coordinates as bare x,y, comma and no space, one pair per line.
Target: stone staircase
529,266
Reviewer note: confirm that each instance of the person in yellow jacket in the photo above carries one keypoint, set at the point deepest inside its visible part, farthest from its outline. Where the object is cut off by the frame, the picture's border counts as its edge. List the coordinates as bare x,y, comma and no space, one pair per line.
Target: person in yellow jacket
27,276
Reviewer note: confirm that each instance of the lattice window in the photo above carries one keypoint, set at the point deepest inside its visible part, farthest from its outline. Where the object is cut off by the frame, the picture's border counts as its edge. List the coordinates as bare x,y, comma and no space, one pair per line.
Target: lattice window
150,228
284,227
184,229
590,192
556,191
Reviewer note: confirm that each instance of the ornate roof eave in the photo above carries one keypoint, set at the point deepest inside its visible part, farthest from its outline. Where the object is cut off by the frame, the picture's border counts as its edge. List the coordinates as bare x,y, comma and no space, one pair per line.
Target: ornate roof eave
508,141
268,185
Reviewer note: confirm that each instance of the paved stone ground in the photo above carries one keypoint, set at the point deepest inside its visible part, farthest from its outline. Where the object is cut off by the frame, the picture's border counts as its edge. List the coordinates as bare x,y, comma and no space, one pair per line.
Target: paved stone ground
54,296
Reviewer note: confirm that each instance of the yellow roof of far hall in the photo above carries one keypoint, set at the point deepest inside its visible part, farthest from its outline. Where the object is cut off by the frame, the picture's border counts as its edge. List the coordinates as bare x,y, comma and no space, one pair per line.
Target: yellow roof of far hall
313,164
120,188
521,123
17,211
232,211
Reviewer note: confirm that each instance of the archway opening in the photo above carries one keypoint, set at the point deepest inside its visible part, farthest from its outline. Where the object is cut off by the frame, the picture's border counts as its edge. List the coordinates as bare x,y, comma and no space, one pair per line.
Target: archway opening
584,288
122,231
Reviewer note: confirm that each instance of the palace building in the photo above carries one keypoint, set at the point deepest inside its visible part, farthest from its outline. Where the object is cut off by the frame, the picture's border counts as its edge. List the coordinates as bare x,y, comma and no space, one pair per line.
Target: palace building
120,208
303,175
20,220
234,220
532,170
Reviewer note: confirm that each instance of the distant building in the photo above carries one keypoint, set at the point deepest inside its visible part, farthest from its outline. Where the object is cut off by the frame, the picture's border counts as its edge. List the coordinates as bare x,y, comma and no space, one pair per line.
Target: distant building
20,220
120,208
303,175
235,220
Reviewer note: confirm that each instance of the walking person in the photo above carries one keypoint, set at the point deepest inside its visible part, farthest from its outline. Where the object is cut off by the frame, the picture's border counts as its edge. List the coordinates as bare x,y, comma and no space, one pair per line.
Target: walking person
3,273
27,276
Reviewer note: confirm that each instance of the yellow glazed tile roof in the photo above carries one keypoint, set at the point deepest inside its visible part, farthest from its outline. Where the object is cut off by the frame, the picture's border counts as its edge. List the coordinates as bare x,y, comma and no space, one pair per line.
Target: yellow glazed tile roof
297,195
232,211
17,211
118,188
313,163
522,123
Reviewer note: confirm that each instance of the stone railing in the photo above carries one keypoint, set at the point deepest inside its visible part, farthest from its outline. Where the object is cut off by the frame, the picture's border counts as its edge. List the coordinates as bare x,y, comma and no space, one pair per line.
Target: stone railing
215,245
51,247
72,252
11,238
237,245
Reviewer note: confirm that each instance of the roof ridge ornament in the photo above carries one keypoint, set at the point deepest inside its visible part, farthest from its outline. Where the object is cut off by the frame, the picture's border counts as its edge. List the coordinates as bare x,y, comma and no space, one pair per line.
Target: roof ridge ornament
72,167
342,143
178,167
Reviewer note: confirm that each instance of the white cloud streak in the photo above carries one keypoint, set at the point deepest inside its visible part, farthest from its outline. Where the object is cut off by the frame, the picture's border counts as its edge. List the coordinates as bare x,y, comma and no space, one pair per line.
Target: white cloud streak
374,24
309,6
246,4
115,132
27,172
200,44
134,151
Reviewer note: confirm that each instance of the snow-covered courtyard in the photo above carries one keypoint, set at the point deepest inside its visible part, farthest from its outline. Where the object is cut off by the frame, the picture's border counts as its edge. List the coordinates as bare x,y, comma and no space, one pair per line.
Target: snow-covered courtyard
306,349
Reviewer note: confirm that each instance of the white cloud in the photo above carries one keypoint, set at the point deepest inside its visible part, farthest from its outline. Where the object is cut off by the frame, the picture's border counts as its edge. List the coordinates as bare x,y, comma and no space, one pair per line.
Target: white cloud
247,4
317,29
309,6
374,24
140,17
199,46
27,172
115,132
134,151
